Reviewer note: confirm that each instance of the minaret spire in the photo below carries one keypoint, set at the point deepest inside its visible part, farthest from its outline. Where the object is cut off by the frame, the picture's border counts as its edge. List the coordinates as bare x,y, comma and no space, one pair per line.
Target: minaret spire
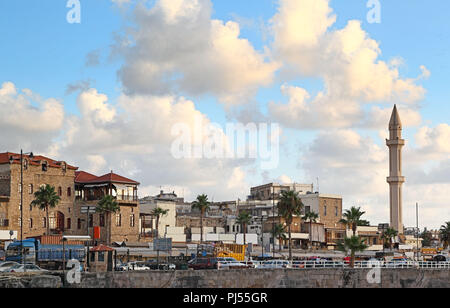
396,179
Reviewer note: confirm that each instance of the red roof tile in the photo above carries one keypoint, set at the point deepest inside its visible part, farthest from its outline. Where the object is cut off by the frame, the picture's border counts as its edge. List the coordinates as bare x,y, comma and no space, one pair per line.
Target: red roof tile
35,161
87,178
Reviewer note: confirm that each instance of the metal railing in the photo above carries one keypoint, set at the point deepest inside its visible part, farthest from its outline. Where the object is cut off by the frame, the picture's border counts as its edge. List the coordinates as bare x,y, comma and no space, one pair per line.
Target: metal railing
280,264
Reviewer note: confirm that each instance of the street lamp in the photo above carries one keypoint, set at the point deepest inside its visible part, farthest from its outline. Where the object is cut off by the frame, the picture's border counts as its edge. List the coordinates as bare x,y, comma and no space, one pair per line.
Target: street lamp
11,160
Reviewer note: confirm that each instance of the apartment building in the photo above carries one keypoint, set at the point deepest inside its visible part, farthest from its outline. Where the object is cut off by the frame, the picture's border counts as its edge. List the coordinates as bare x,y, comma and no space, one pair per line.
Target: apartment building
37,171
90,189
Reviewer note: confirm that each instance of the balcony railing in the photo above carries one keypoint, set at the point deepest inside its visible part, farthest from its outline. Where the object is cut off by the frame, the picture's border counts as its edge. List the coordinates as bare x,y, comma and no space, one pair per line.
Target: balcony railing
98,198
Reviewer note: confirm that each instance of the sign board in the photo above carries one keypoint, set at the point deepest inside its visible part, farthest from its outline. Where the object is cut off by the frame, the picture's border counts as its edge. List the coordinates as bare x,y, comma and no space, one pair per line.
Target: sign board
162,244
88,209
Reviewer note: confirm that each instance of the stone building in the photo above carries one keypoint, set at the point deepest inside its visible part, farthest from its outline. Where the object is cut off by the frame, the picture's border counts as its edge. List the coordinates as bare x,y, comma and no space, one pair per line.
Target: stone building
90,189
37,171
273,190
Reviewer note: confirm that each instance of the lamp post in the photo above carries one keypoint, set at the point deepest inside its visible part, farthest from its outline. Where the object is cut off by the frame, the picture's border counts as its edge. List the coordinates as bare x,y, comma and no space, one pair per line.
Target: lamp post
11,159
273,222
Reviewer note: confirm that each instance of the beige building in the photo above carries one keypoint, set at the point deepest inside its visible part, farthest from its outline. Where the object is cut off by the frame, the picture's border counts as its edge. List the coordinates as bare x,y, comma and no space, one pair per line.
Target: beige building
328,207
90,189
37,171
273,190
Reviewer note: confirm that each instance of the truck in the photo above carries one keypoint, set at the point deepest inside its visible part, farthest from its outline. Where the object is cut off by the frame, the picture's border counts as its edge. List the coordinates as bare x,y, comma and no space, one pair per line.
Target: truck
46,251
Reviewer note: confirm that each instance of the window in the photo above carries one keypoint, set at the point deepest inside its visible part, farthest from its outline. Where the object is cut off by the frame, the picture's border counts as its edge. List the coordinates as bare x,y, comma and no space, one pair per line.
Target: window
101,256
91,220
31,223
30,189
60,191
307,209
69,191
19,188
44,222
92,256
69,223
102,220
336,210
325,210
132,220
118,220
44,166
79,224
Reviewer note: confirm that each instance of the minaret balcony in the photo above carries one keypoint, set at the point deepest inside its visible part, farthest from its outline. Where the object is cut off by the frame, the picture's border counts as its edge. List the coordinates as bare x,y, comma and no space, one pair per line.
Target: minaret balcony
396,179
390,142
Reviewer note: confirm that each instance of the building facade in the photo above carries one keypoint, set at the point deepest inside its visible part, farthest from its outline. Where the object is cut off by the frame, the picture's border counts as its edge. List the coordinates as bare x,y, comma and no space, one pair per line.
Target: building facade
37,171
90,189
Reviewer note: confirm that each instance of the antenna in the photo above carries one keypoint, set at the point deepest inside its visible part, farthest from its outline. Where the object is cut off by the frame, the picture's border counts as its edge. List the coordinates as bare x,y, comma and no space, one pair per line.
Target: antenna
318,187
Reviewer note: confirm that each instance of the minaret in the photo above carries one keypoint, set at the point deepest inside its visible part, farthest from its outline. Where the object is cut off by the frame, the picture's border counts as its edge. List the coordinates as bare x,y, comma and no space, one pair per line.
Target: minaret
395,179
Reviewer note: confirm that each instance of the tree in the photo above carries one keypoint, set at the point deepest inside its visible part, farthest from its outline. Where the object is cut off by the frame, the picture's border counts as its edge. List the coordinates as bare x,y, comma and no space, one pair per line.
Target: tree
427,238
158,213
279,232
352,219
312,217
244,218
388,235
202,204
46,198
107,206
353,244
445,234
289,206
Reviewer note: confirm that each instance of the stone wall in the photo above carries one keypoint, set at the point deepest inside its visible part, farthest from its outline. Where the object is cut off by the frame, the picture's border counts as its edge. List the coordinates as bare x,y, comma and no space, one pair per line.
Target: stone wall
319,278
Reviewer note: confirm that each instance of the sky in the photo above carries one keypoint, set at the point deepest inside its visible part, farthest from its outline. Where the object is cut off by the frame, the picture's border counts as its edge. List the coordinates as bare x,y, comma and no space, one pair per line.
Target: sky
107,92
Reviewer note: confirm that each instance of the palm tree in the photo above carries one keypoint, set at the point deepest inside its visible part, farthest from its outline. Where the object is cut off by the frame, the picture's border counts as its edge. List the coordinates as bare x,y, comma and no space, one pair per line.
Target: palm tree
352,219
279,232
312,217
45,198
244,218
289,206
388,235
445,234
158,213
202,204
353,244
107,206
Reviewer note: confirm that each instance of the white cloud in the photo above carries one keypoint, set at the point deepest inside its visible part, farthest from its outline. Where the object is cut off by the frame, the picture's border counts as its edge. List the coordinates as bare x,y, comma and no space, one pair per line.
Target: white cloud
178,47
136,142
347,60
26,120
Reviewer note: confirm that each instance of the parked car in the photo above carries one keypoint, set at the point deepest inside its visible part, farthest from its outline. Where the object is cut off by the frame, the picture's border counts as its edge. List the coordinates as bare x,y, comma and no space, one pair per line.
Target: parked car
29,268
441,258
275,264
135,266
5,266
398,263
230,263
203,263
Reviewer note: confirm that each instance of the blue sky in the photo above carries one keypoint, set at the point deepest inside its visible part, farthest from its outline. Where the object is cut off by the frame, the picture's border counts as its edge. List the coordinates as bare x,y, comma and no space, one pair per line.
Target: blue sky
41,51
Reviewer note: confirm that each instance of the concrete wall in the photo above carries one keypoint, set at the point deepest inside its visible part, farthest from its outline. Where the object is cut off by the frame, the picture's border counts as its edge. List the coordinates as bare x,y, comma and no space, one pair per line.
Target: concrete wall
321,278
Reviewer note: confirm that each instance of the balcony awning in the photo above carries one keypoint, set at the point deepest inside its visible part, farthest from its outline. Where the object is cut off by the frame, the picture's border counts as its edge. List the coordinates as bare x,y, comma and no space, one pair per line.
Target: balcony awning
96,185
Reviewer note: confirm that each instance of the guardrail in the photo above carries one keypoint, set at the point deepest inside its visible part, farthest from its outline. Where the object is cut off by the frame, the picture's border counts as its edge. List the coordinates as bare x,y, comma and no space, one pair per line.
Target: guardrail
280,264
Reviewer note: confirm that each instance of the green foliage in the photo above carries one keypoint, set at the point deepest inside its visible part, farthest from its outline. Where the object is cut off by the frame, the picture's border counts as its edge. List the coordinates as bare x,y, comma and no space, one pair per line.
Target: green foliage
202,204
445,234
107,204
352,219
311,216
45,198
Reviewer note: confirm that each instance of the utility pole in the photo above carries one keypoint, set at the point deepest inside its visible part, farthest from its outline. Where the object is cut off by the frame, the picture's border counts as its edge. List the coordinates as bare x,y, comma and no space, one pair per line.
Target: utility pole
417,230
